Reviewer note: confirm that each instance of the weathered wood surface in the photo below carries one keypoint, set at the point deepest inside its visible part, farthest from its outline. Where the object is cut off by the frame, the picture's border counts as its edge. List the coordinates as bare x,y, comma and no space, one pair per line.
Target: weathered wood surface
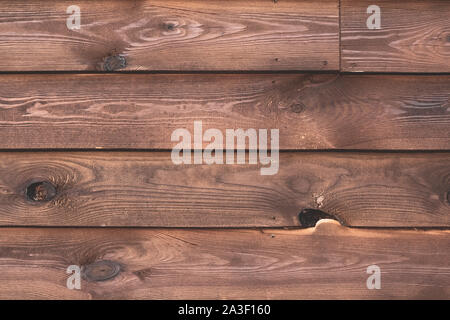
414,36
142,111
147,189
142,187
170,35
326,262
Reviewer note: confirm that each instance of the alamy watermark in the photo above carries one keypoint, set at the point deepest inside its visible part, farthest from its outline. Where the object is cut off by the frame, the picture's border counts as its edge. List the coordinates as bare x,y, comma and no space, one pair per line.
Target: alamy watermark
235,139
374,20
374,281
73,22
74,280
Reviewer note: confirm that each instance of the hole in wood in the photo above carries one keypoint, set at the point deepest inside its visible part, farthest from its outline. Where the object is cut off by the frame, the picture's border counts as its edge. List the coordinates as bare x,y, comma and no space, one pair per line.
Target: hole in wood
40,191
101,270
309,217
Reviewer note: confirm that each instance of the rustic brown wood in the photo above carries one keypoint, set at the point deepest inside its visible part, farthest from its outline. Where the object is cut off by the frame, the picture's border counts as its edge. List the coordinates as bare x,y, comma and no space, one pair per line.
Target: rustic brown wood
142,187
147,189
141,35
142,111
326,262
414,36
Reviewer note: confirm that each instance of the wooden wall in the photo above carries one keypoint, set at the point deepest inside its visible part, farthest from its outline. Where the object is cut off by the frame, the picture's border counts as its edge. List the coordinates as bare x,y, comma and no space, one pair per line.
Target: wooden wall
87,178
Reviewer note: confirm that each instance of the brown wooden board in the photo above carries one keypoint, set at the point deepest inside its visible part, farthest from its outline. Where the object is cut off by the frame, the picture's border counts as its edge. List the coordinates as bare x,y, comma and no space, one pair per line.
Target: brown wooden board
414,36
326,262
170,35
147,189
141,111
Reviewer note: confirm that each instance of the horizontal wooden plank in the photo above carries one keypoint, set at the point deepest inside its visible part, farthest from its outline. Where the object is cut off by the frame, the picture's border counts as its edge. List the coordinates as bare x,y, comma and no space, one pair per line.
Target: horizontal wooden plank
170,35
414,36
326,262
141,111
147,189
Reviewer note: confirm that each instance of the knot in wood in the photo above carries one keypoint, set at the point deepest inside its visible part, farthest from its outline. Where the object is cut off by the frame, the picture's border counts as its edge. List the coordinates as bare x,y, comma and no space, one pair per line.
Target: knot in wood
101,270
169,26
298,107
40,191
116,62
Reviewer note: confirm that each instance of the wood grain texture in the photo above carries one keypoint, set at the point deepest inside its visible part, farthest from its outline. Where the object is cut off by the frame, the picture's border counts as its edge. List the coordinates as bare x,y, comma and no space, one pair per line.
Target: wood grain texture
171,35
147,189
326,262
414,36
141,111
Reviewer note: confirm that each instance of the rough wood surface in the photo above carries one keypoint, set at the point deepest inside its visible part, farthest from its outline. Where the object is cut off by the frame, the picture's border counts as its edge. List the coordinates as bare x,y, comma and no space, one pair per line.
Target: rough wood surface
170,35
414,36
142,111
326,262
147,189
